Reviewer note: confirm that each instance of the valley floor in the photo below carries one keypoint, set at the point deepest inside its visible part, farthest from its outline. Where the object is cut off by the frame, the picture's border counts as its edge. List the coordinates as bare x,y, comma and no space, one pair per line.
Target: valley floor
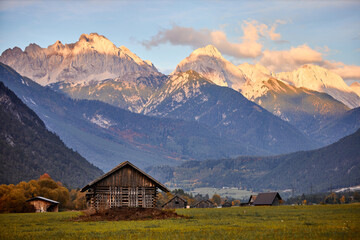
284,222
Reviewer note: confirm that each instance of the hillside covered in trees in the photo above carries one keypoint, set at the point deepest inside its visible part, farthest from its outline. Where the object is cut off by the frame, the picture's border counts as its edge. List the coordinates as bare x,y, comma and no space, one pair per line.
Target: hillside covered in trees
320,170
28,149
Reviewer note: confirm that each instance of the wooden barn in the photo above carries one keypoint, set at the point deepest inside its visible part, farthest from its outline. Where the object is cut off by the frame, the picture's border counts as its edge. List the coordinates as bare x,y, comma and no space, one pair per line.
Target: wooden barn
175,202
267,199
204,204
252,199
124,186
42,204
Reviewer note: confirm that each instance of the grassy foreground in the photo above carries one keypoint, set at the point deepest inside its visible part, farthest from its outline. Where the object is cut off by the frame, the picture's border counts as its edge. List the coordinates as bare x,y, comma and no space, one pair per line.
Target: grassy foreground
284,222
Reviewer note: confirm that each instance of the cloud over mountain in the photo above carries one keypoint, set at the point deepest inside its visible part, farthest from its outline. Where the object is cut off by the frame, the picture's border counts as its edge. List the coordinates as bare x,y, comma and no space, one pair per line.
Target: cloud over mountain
248,47
288,60
251,45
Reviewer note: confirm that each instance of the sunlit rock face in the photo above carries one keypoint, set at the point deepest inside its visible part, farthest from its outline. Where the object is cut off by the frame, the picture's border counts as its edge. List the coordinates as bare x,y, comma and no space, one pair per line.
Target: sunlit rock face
209,62
92,57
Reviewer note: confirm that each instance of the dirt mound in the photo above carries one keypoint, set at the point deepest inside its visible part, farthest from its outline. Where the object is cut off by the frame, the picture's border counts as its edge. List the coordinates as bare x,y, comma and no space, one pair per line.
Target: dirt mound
128,214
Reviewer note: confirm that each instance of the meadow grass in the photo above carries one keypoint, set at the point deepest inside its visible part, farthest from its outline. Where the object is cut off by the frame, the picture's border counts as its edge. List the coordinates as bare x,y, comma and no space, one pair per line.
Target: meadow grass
284,222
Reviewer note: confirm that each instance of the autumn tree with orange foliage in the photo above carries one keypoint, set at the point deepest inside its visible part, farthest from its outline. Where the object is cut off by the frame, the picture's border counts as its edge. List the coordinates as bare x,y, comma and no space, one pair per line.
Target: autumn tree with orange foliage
13,197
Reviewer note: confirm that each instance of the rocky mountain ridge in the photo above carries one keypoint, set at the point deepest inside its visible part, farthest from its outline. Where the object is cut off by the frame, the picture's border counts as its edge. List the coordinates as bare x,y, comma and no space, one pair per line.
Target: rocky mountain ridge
92,57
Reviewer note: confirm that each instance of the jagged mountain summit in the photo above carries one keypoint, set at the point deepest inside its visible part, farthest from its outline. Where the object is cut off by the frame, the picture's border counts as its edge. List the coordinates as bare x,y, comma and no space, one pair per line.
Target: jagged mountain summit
92,57
321,80
209,62
255,73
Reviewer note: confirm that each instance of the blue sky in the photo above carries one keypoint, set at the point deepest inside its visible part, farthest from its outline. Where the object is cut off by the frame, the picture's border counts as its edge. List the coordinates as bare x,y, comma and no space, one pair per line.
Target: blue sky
279,34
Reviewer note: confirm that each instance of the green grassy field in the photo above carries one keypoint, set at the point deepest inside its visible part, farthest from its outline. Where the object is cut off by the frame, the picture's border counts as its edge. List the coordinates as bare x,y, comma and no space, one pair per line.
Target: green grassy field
285,222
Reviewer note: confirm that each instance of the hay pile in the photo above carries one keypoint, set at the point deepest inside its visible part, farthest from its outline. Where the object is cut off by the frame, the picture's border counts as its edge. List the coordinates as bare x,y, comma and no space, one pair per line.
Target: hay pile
127,214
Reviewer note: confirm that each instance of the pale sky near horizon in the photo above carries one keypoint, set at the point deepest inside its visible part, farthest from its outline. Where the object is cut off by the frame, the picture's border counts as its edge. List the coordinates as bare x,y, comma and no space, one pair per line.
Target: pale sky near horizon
281,35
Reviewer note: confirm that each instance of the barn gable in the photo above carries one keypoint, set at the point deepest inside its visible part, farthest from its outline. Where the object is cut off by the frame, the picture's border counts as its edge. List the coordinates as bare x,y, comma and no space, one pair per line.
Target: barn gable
123,186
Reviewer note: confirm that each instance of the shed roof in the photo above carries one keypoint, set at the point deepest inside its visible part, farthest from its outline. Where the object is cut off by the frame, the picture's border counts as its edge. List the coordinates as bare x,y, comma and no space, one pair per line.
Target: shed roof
42,198
118,167
266,198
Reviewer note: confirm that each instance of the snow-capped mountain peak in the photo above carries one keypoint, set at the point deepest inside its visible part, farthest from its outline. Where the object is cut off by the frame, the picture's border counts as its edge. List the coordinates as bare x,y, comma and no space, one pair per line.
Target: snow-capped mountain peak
314,77
322,80
209,50
208,62
256,72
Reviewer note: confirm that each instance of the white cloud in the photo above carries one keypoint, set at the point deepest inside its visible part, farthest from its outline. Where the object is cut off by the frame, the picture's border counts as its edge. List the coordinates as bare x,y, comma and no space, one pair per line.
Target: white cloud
288,60
248,47
349,72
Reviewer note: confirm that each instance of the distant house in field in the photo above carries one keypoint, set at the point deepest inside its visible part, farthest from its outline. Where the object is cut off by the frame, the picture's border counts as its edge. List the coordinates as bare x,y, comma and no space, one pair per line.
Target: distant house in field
267,199
175,202
204,204
124,186
252,199
42,204
226,204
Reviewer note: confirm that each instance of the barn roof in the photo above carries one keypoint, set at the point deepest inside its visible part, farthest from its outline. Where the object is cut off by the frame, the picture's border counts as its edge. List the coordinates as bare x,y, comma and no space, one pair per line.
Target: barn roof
42,198
176,196
266,198
118,167
204,201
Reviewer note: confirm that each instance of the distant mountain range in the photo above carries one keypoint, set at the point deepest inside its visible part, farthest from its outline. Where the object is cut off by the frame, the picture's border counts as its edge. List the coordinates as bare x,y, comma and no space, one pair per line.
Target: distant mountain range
106,135
28,149
334,166
207,108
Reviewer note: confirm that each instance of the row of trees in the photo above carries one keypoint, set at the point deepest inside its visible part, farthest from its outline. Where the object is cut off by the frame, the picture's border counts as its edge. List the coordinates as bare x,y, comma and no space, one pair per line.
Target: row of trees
325,198
13,197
